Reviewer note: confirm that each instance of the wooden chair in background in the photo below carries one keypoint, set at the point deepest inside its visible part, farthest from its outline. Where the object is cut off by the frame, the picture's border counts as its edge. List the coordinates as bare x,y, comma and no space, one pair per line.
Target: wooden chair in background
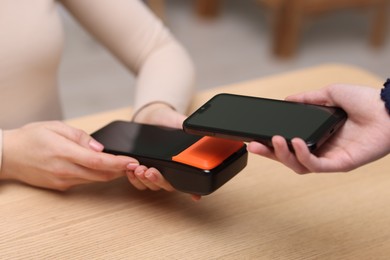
158,7
207,8
203,8
288,17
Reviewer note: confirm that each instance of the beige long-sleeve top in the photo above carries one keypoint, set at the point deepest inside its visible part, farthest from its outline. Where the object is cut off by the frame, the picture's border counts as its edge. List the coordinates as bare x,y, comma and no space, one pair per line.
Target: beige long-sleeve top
31,43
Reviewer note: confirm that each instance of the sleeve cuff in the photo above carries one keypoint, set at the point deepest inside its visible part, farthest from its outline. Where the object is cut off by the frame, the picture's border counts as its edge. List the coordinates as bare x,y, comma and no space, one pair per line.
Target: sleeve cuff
385,95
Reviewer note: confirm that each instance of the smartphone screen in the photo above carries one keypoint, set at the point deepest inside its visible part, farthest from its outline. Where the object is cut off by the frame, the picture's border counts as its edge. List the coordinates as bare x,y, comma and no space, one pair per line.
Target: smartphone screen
252,118
132,139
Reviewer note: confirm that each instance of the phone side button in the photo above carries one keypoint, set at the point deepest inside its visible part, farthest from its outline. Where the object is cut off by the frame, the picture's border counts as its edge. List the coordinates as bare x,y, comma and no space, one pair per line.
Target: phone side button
208,152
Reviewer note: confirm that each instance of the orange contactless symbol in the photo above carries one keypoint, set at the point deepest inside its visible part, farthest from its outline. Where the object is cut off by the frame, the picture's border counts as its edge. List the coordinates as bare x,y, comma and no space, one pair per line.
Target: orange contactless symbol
208,152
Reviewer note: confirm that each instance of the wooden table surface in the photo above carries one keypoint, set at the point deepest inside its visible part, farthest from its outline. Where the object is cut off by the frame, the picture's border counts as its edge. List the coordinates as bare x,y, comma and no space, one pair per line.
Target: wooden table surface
265,212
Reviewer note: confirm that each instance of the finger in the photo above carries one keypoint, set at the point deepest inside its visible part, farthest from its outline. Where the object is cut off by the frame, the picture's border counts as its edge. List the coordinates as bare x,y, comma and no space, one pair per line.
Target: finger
140,174
311,161
95,145
319,97
134,181
106,162
74,171
195,197
156,178
261,149
303,154
97,160
76,135
285,156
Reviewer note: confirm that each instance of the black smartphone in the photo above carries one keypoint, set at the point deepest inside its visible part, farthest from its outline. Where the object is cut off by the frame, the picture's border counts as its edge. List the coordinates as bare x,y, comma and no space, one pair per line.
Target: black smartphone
248,118
190,163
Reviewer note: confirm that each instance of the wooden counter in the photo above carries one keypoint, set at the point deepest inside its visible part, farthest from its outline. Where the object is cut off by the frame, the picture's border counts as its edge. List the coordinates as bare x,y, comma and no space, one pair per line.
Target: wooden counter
265,212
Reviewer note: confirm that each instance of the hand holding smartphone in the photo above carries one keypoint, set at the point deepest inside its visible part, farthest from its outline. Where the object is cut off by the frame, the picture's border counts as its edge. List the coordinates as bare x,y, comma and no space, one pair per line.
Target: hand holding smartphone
247,118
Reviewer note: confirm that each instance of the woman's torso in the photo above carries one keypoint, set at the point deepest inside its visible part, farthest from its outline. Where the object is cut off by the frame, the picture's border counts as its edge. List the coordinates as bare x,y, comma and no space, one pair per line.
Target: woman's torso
31,42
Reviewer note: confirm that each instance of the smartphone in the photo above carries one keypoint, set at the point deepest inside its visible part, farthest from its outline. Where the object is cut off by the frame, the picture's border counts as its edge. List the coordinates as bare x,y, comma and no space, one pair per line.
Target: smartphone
190,163
248,118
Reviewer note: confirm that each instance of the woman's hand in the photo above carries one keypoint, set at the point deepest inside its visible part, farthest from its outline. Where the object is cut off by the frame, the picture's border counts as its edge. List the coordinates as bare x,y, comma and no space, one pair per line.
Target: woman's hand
56,156
160,114
365,136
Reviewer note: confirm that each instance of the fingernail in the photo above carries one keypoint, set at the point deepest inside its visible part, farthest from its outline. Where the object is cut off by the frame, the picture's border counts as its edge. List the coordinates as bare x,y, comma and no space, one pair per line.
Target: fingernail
132,166
95,145
195,198
139,172
151,176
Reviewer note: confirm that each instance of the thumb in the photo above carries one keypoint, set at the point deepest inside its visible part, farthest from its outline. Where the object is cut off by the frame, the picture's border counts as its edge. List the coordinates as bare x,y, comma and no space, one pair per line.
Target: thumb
78,136
317,97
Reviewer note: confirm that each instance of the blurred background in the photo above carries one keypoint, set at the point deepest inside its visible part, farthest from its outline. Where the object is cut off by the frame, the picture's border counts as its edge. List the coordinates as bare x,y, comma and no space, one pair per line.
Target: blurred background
232,41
